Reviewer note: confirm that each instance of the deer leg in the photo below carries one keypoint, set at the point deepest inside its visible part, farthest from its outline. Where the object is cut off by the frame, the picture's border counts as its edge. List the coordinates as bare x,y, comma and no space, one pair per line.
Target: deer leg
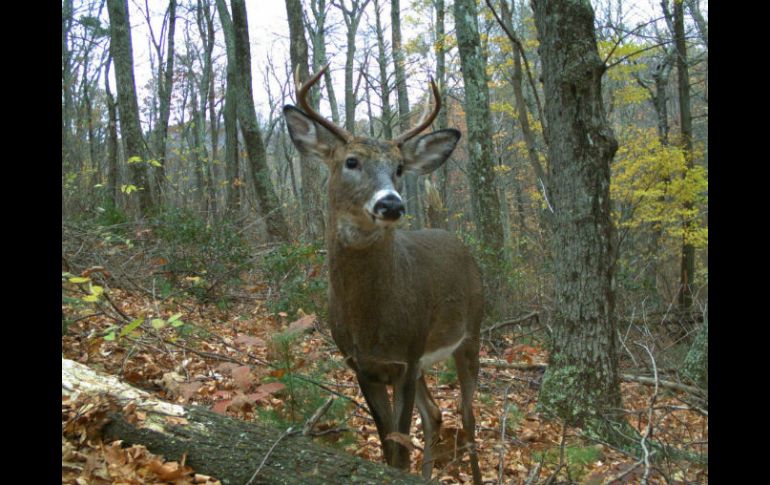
467,362
376,395
404,391
431,424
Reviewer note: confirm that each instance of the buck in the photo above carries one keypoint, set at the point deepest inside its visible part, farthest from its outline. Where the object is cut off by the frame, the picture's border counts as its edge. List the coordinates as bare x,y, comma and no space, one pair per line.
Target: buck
399,301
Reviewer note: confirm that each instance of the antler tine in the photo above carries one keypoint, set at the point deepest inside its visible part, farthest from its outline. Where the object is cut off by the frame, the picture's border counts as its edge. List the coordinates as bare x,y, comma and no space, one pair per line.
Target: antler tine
425,123
303,89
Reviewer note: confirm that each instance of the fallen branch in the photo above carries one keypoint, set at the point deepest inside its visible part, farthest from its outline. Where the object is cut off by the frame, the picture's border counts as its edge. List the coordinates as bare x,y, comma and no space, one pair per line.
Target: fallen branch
218,445
649,381
514,321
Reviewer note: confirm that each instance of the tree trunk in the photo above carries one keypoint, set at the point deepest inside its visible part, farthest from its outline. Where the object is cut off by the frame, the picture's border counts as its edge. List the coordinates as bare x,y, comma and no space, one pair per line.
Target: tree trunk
225,448
165,85
231,144
687,266
412,202
319,54
113,191
581,384
484,200
236,34
382,61
122,54
311,198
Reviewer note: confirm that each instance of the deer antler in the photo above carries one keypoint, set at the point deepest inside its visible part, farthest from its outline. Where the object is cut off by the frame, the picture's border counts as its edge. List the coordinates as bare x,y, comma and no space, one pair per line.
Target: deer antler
426,122
302,90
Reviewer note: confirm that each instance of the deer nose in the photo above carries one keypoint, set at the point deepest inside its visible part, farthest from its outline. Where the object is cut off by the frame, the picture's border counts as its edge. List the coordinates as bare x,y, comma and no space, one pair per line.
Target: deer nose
389,207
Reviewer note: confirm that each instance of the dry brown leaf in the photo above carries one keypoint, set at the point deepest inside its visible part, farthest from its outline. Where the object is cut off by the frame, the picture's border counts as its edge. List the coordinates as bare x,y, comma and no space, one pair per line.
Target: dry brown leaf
243,377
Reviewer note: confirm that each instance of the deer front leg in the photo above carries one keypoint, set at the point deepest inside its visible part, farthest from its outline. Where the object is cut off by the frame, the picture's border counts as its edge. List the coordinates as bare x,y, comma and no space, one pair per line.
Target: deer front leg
376,396
404,391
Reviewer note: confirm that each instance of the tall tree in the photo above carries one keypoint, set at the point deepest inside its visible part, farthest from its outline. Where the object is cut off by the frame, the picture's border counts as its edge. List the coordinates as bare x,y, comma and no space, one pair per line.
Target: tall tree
310,196
236,32
352,17
113,192
318,34
484,199
165,77
687,266
581,384
382,61
413,205
128,108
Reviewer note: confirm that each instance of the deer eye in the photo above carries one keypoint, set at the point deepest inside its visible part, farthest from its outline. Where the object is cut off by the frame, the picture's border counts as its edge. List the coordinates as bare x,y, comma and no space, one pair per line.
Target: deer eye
399,170
352,163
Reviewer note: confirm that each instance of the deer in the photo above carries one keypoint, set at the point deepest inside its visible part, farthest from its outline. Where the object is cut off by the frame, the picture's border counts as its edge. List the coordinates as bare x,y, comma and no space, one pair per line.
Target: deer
399,300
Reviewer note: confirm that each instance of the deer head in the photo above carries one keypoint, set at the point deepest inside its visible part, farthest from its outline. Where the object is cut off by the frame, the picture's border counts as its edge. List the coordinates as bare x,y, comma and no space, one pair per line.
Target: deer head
366,174
399,301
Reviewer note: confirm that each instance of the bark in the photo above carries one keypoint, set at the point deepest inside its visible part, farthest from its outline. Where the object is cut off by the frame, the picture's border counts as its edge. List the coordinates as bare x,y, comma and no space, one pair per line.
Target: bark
310,196
165,85
352,18
225,448
231,144
128,108
318,35
67,80
412,202
484,200
205,21
113,192
382,61
236,34
581,384
442,121
687,266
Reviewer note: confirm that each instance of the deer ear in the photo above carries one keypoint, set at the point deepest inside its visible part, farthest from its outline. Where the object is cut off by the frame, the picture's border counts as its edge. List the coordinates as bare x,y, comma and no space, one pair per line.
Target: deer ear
311,139
427,153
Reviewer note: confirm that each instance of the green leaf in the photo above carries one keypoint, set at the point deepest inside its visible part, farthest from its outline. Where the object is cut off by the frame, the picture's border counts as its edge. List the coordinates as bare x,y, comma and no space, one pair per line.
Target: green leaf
155,163
131,326
174,318
177,323
110,336
90,298
158,323
79,280
127,189
96,290
134,159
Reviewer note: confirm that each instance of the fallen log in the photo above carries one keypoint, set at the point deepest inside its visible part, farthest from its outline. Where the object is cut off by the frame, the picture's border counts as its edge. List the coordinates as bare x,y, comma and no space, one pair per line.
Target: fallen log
228,449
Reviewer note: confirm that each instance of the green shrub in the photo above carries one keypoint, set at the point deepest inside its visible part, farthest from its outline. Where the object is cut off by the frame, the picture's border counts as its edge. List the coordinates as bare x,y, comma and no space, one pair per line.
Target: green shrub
297,279
207,253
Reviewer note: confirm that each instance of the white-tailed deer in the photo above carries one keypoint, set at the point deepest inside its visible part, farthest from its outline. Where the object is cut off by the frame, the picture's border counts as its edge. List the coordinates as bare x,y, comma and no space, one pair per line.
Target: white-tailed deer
399,301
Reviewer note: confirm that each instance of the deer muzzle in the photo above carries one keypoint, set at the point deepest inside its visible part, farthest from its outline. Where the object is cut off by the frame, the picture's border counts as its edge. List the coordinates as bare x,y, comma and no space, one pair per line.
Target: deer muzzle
386,205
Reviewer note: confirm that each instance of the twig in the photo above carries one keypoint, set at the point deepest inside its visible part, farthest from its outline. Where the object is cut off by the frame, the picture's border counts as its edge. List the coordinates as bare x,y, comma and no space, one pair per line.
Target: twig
648,430
310,424
289,431
514,321
622,475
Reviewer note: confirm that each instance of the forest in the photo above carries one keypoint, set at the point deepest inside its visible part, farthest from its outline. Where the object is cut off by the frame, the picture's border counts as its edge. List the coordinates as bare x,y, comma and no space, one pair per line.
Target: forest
548,158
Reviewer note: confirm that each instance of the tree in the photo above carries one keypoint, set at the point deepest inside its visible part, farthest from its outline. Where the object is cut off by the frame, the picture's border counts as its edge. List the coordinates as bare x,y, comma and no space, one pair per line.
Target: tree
581,384
318,36
311,199
236,34
413,205
128,108
352,17
484,200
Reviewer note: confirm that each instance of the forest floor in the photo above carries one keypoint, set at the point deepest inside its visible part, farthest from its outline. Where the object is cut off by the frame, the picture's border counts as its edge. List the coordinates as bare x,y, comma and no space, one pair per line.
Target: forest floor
250,363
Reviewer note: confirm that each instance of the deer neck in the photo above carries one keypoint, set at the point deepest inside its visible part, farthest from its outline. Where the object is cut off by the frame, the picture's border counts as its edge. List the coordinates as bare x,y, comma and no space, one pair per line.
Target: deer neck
360,257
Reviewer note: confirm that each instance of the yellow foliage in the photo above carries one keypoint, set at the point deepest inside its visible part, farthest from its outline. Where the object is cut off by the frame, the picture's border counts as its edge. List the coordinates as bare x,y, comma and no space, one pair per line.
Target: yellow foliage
654,187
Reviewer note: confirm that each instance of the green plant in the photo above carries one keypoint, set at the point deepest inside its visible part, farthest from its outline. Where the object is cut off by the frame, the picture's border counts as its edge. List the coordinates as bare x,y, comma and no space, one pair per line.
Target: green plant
515,415
448,375
577,458
297,279
207,254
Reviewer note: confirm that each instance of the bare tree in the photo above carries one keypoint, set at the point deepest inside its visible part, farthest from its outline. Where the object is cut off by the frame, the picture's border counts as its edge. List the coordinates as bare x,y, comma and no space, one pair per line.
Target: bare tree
122,54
